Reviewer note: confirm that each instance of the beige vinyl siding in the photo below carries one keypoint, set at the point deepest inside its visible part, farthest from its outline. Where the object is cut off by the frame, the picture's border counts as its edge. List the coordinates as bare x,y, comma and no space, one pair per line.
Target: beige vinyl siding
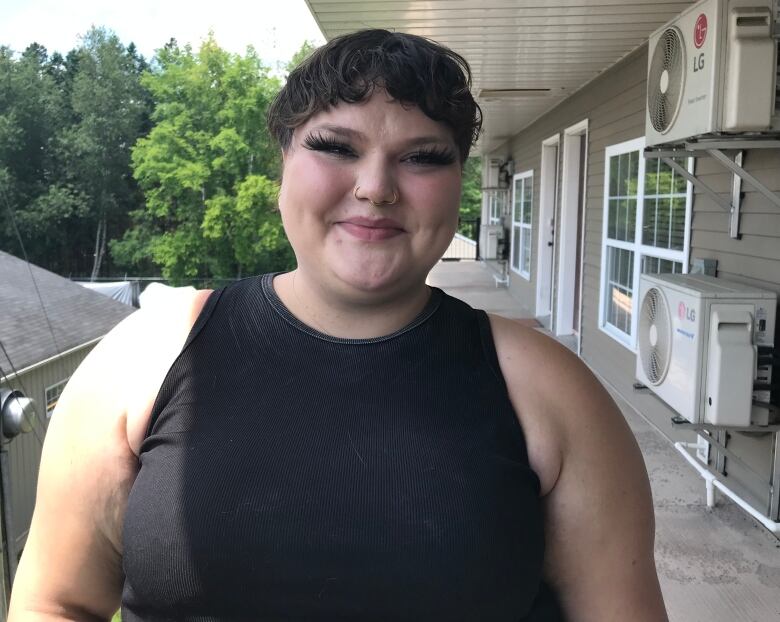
611,104
25,450
614,105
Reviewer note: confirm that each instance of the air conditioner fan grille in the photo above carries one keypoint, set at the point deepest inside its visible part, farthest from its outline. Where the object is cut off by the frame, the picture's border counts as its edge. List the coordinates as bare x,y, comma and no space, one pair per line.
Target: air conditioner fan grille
666,80
655,337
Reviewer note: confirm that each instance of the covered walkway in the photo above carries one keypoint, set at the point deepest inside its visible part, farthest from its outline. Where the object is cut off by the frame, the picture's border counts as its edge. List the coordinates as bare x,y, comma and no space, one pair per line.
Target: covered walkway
714,565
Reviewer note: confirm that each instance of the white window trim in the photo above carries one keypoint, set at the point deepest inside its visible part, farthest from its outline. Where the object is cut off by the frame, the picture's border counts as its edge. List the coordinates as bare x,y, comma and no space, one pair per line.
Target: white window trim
494,207
636,247
520,225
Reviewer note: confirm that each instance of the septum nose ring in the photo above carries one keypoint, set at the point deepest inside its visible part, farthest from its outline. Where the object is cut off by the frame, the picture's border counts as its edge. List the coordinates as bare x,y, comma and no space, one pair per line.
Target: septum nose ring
374,203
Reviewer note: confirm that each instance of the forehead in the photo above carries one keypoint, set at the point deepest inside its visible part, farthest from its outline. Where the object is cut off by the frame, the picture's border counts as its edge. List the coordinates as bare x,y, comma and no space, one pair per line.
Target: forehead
379,118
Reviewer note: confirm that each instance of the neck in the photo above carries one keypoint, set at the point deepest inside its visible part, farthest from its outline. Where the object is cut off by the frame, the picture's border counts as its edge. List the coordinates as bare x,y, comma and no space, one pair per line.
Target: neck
358,316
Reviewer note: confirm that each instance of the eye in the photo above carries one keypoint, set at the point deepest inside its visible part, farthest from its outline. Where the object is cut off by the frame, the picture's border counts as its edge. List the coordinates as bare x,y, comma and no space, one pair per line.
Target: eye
319,142
432,156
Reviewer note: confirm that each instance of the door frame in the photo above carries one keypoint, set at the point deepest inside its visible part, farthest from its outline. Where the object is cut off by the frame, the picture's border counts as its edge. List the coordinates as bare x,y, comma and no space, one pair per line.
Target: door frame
567,231
545,255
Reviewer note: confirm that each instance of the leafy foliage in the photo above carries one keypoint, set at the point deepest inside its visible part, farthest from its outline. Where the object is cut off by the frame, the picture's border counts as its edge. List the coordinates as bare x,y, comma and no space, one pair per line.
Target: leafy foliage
471,194
111,163
208,169
66,128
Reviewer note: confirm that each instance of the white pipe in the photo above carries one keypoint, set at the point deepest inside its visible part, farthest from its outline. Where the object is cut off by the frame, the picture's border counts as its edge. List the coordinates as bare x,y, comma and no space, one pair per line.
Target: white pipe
713,482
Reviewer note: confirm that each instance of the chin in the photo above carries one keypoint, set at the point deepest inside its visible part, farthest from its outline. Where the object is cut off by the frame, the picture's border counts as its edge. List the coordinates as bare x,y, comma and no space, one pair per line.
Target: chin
373,277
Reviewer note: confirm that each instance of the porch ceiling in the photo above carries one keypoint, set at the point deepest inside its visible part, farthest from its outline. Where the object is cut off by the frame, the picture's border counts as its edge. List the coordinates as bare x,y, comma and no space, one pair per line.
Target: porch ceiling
559,45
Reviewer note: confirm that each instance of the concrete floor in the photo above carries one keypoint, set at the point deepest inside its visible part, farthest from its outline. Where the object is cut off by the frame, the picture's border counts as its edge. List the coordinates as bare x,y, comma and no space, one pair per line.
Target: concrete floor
715,565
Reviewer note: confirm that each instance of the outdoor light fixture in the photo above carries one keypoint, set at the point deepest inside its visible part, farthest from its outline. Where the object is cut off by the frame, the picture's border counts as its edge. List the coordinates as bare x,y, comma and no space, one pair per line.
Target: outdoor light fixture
16,413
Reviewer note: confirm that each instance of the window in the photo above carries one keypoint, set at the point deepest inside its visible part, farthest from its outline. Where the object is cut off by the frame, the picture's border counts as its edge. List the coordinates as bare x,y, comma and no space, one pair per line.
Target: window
496,205
53,395
646,224
522,199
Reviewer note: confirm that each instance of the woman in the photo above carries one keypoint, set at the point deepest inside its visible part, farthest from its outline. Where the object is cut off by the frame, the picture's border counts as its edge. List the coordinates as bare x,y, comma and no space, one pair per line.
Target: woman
342,442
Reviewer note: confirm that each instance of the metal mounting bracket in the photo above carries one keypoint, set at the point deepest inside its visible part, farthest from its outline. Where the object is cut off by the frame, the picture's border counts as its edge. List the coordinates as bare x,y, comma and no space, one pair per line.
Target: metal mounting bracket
714,149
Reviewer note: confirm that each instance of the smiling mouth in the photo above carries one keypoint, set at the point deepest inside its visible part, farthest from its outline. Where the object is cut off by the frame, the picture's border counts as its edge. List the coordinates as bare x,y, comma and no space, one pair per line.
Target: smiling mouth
371,230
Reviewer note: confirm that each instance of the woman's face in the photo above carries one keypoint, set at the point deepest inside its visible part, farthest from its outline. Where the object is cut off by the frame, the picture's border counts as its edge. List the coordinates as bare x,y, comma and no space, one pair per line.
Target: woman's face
344,158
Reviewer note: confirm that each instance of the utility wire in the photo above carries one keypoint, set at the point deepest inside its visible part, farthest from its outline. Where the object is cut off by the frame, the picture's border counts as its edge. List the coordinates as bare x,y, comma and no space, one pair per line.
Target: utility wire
29,267
18,379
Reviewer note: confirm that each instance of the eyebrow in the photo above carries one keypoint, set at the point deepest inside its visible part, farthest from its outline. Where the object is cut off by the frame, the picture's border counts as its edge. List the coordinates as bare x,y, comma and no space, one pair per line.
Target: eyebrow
357,135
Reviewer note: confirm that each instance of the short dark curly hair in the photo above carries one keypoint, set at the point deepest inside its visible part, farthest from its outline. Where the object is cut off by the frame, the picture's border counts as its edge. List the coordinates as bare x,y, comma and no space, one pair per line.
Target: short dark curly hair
412,69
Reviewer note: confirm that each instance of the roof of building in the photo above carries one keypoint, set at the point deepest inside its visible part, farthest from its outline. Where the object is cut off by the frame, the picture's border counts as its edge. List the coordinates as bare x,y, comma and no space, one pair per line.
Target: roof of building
76,315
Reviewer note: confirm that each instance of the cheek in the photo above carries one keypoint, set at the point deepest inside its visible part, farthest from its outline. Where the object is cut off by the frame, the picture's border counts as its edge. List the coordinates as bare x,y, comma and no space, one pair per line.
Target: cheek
311,187
439,198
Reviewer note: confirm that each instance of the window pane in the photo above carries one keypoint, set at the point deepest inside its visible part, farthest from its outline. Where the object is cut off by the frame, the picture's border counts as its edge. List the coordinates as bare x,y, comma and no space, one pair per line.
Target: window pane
516,248
53,395
656,265
619,299
633,174
528,189
630,220
612,219
623,175
677,229
614,175
651,176
527,212
662,223
679,184
518,200
664,178
525,245
648,226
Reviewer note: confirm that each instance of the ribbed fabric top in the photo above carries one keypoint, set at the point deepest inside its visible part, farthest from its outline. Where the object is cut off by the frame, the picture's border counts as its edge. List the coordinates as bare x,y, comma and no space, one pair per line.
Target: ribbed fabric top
291,475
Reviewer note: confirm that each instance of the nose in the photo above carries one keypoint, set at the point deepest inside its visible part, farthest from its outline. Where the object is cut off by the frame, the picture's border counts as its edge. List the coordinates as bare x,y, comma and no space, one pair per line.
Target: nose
376,183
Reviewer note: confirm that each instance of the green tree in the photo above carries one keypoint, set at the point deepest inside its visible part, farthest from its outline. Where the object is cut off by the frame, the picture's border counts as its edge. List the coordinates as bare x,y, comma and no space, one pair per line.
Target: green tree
208,169
66,128
471,196
42,201
109,104
301,55
471,193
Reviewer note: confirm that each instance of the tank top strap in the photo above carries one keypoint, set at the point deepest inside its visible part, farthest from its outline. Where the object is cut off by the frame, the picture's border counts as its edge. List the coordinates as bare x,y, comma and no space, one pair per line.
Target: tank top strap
489,346
204,315
201,321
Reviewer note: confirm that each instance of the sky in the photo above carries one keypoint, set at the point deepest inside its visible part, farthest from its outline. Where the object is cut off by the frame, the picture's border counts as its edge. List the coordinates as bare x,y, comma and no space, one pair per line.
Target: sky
276,28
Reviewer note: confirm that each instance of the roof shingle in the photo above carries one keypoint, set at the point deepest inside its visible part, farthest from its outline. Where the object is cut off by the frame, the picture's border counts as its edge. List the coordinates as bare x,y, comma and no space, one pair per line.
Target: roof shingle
77,315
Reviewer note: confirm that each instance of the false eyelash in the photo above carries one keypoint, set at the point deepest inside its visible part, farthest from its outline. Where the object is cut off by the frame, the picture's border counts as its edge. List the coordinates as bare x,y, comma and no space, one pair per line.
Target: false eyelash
441,156
318,142
434,155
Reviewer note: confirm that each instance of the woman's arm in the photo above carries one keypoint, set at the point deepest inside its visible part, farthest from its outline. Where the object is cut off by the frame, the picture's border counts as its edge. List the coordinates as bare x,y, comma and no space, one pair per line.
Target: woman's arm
71,568
599,521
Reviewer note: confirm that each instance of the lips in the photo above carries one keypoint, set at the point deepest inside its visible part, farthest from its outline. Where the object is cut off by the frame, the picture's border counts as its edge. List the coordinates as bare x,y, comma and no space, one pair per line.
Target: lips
371,229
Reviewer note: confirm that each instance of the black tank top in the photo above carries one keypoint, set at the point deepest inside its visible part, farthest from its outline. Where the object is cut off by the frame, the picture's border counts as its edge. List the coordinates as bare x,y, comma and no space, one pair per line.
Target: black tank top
291,475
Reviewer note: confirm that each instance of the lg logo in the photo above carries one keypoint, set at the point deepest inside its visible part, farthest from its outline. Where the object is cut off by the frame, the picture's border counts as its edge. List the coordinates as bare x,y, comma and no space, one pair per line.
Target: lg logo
700,30
699,37
686,313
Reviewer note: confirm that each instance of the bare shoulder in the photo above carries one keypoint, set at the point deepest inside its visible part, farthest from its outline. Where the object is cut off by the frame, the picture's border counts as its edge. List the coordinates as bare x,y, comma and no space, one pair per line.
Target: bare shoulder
599,522
72,561
543,379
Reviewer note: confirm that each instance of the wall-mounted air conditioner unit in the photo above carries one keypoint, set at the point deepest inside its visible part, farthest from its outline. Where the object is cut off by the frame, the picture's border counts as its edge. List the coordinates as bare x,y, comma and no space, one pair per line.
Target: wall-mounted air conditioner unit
494,236
697,344
491,179
711,71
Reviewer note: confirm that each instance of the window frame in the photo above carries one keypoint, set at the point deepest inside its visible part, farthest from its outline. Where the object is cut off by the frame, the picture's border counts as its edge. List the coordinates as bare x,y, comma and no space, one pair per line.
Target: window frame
496,200
57,385
520,225
636,246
